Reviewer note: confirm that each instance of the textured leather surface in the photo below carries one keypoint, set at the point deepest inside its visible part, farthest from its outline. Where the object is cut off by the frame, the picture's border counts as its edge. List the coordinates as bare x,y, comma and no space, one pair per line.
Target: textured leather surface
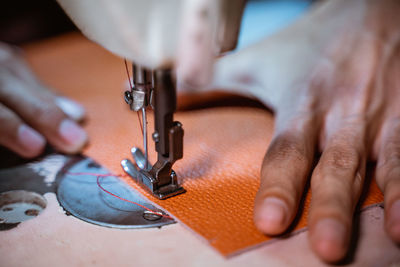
223,147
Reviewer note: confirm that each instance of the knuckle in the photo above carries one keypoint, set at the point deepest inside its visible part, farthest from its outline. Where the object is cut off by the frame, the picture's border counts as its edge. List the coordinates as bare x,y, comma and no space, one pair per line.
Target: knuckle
287,147
9,123
341,158
387,172
392,158
392,149
339,210
6,117
333,196
46,115
389,160
333,202
389,151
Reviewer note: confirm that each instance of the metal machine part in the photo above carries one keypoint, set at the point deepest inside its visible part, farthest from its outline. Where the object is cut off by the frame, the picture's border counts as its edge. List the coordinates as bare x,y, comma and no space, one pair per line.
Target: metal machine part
17,206
158,35
159,179
23,183
81,196
139,96
151,32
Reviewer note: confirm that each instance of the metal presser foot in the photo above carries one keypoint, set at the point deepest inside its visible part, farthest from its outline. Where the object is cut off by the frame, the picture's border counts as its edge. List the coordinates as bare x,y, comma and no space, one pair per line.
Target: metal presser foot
159,179
152,183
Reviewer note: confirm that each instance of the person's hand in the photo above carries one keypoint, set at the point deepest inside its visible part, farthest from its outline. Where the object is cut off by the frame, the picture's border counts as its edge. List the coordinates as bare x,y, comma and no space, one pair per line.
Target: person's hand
333,81
30,114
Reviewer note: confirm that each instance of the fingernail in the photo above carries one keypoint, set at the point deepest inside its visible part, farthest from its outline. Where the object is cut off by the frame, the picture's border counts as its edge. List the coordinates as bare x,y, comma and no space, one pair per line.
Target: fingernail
329,238
31,140
71,108
72,133
272,216
394,220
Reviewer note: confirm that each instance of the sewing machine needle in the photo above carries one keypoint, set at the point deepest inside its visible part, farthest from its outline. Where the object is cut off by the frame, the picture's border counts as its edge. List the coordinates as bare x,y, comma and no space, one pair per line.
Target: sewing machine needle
144,124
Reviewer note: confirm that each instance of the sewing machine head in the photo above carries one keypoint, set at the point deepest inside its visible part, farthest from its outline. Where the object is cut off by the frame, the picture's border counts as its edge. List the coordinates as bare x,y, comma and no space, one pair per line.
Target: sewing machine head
160,36
153,33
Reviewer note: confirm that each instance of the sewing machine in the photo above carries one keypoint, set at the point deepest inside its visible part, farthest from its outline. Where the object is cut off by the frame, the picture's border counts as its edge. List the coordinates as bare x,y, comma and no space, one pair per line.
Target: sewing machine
160,36
73,242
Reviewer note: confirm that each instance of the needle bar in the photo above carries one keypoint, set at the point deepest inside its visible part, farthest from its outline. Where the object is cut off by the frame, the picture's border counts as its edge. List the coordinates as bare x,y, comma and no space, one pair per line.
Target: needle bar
144,127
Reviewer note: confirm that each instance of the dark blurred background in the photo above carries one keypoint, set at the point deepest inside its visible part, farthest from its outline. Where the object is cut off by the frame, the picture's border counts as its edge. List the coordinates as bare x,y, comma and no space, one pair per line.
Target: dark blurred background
29,20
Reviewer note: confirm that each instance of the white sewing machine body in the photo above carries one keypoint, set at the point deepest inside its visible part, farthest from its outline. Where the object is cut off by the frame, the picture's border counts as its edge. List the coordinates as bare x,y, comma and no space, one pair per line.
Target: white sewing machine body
158,33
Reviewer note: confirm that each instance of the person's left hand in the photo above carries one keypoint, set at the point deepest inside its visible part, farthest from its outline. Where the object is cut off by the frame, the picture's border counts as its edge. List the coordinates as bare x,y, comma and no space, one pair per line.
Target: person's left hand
31,115
333,81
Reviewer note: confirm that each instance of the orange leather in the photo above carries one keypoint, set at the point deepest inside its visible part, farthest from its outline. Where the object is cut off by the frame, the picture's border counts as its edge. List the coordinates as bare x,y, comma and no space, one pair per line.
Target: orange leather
223,147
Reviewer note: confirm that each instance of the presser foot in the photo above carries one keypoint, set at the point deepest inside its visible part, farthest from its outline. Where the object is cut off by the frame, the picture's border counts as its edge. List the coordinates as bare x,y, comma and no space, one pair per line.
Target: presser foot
150,177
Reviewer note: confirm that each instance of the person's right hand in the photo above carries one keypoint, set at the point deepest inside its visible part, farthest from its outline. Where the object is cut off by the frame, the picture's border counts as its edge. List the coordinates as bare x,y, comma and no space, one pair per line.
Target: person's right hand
30,114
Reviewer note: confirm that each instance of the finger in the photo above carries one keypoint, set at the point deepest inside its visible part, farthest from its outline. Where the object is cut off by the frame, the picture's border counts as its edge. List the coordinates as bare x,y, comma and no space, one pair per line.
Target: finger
388,176
18,68
11,57
70,108
283,175
336,185
19,137
38,109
